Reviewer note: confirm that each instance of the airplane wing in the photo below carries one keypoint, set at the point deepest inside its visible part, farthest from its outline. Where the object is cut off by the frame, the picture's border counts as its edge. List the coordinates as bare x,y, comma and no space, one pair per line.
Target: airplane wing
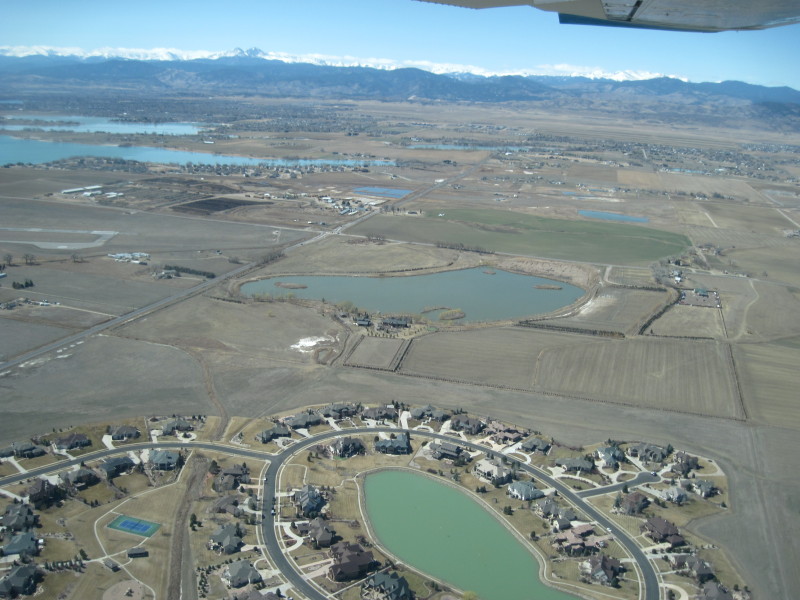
675,15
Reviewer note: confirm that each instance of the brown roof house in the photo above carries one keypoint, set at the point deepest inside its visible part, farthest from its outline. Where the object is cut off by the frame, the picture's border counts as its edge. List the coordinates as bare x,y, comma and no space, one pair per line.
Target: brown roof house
603,569
350,561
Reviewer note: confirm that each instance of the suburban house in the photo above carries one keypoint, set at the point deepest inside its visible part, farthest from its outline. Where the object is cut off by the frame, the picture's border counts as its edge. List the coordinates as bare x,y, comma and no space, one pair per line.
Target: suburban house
320,532
18,517
704,488
227,539
610,456
400,444
42,493
124,432
112,467
379,413
673,494
350,561
662,531
72,441
345,447
634,503
692,566
27,450
274,432
79,479
580,540
386,586
23,544
240,573
446,451
602,569
340,410
230,478
501,433
421,412
20,581
466,424
492,470
303,420
176,425
524,490
164,460
713,590
227,504
648,453
535,444
575,465
684,464
309,501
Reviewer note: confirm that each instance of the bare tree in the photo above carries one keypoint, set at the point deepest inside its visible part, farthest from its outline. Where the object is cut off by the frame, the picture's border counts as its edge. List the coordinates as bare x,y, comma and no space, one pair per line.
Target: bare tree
29,259
8,259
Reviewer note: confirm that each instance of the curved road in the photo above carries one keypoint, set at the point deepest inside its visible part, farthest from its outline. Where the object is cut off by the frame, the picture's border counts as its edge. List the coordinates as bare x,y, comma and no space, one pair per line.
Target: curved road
650,582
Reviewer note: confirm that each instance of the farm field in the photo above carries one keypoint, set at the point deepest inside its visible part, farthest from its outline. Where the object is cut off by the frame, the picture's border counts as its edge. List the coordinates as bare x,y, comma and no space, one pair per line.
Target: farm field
690,321
517,233
616,309
503,357
377,353
768,373
685,376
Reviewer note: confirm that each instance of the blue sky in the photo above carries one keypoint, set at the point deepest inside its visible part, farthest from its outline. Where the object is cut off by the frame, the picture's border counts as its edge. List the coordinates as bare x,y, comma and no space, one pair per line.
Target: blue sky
405,32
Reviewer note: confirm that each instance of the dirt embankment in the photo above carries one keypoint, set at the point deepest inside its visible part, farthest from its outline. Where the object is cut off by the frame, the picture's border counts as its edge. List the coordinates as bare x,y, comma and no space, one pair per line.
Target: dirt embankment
583,276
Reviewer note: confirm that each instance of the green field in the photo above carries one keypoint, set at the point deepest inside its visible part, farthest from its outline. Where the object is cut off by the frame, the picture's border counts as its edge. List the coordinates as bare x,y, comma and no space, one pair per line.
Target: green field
518,233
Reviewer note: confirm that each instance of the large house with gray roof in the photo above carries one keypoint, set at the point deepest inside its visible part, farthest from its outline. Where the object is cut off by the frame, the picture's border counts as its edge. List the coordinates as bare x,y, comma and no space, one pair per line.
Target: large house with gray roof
20,581
398,445
240,573
386,586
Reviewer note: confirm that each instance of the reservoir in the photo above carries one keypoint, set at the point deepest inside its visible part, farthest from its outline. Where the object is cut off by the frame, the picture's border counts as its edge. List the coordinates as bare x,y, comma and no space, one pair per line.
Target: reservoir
97,125
445,533
18,150
484,295
607,216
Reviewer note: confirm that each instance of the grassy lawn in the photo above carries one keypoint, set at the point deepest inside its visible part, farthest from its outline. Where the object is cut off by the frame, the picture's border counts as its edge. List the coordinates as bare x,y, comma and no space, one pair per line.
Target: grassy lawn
518,233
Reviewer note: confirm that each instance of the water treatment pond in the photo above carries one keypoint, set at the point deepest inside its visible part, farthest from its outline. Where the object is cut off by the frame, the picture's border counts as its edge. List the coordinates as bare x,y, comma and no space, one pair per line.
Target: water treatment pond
445,533
482,294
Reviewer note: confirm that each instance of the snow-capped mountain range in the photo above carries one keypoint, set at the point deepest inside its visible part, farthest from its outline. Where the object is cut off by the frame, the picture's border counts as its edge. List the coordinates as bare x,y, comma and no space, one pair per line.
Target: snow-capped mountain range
174,54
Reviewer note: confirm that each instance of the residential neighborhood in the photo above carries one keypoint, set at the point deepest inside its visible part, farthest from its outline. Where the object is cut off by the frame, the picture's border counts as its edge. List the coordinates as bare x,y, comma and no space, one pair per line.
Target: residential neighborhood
514,472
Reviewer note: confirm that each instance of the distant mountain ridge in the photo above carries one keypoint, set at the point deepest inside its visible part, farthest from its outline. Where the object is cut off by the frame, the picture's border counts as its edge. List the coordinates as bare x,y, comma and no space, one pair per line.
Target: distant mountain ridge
254,72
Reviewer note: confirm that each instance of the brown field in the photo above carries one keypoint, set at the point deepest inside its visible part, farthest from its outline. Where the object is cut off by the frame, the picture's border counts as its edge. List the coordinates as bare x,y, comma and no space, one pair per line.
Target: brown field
616,309
768,373
503,357
685,376
689,321
377,353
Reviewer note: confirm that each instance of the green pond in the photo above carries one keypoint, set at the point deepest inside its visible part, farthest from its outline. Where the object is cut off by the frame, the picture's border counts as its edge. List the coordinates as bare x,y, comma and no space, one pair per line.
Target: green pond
443,532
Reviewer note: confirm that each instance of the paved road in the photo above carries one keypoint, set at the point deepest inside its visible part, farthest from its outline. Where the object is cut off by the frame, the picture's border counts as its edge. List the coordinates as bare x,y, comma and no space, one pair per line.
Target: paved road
642,477
650,583
139,312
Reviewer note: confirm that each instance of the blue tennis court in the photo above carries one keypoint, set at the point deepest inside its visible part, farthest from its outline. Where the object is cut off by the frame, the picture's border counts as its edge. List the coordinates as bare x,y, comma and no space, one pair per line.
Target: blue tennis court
134,526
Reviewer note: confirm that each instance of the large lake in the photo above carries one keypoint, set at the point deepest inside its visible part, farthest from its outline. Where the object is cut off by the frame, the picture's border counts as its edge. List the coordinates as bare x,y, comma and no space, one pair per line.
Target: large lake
96,125
482,296
445,533
18,150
